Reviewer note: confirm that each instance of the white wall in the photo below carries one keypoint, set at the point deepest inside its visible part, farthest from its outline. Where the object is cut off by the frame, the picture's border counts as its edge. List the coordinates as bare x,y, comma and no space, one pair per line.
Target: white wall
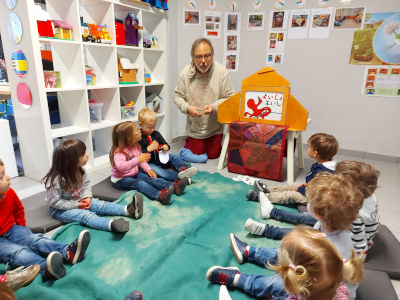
318,70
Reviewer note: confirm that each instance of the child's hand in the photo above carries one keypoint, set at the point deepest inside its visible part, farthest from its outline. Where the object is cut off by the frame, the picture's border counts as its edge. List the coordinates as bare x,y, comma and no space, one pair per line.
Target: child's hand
144,157
152,174
303,184
85,203
165,147
154,146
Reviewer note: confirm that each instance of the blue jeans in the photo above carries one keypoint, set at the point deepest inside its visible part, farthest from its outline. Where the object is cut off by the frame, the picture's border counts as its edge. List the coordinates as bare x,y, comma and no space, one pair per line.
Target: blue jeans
144,184
188,155
161,169
89,217
292,217
20,247
275,233
262,256
261,285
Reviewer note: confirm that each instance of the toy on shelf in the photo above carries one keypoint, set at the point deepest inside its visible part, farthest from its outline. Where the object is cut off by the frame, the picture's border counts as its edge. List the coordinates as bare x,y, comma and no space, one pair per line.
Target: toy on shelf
95,111
44,22
126,71
156,3
90,75
52,79
127,111
146,40
95,33
62,30
147,76
132,30
154,39
119,32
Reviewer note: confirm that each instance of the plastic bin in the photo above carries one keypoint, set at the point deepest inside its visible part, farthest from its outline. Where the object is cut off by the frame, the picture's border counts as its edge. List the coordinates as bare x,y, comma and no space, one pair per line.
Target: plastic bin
127,112
95,111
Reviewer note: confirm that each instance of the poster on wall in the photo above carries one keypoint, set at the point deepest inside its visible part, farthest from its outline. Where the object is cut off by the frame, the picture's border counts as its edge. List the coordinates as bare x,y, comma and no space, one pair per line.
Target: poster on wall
255,21
381,81
278,20
274,58
231,60
276,41
299,21
263,105
191,18
231,41
212,24
349,18
378,43
321,19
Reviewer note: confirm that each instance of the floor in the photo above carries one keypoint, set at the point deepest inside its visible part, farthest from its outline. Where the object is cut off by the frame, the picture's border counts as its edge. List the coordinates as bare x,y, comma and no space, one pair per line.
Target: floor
388,194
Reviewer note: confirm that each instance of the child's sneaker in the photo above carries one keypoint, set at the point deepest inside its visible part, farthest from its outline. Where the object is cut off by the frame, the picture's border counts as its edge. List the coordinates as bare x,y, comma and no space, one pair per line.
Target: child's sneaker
253,196
76,250
20,277
120,225
135,208
179,186
239,249
260,187
134,295
221,275
266,206
54,268
187,172
164,196
254,227
223,293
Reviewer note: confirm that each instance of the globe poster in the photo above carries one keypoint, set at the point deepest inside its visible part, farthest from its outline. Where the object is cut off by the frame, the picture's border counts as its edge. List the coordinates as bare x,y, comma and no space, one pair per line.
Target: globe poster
378,43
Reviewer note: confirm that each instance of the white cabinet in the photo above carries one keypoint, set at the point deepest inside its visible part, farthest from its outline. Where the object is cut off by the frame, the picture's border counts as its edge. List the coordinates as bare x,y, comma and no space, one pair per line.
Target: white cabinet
70,58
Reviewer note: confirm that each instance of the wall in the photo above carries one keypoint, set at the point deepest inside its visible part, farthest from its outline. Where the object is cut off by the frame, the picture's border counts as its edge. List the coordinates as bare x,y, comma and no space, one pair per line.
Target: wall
318,70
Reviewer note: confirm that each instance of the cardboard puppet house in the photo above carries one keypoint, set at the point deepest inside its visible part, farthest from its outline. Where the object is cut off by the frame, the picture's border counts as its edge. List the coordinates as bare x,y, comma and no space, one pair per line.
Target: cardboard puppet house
259,117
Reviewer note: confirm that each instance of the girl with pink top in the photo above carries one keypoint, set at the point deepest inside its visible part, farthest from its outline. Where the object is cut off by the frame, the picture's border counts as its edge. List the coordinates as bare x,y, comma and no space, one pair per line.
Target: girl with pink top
130,170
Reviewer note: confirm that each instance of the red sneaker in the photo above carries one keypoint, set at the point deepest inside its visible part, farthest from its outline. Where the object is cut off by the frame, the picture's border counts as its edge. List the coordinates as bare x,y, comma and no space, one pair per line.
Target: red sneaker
179,186
164,196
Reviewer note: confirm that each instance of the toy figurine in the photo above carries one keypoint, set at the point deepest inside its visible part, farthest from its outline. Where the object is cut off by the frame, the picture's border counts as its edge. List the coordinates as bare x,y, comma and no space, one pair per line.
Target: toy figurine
146,40
153,38
132,30
147,76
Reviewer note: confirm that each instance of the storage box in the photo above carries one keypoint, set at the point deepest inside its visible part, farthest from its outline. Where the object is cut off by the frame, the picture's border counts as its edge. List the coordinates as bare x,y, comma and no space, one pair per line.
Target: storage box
95,111
127,112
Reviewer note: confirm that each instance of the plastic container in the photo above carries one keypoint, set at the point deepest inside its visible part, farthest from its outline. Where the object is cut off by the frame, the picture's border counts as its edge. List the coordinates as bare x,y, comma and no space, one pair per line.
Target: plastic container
127,112
95,111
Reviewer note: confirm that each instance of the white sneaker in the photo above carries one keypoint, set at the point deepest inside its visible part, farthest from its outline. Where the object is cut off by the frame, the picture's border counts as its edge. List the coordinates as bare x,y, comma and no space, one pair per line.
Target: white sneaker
223,293
266,206
254,227
189,172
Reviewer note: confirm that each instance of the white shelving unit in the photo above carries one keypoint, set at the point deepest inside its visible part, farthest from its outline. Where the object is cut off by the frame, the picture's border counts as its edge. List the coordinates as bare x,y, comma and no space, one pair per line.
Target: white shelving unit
70,58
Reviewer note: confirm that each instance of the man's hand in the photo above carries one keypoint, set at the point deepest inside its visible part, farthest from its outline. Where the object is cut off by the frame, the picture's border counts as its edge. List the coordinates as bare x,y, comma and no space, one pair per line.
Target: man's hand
152,174
153,146
194,111
85,203
208,109
144,157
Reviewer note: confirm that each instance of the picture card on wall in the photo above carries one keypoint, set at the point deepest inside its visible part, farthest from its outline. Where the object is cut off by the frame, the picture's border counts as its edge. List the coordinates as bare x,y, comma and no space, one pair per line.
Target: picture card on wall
299,22
276,41
231,60
255,21
232,22
278,19
321,19
274,58
191,18
212,24
381,81
349,18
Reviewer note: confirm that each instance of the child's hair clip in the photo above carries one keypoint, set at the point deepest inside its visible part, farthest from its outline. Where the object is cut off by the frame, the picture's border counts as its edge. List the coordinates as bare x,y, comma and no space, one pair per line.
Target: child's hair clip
318,235
293,267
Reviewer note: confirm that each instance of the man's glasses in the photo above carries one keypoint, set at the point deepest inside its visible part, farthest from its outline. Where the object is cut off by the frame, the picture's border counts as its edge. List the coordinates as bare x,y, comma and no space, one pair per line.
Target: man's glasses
200,57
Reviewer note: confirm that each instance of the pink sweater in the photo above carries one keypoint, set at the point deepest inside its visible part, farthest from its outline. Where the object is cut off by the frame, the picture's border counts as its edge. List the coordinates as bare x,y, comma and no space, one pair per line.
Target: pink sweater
126,164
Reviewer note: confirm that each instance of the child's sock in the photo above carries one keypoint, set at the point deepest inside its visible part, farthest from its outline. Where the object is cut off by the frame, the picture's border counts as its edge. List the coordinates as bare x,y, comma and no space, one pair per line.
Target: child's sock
236,280
126,211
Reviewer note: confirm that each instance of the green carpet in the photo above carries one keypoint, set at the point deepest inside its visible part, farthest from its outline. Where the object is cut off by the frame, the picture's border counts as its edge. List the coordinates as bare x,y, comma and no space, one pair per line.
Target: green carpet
167,253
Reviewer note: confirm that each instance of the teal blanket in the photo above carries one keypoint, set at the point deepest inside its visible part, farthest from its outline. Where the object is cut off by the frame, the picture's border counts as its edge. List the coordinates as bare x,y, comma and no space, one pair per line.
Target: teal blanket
167,253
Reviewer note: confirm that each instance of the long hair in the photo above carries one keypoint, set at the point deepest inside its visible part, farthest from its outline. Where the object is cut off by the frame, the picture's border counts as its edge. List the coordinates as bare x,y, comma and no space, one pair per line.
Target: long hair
310,265
64,166
123,135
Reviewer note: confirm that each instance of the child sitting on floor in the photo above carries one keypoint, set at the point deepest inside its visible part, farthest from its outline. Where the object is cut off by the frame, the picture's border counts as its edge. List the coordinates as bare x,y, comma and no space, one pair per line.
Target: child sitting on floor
152,142
363,228
130,170
335,203
20,247
322,147
69,195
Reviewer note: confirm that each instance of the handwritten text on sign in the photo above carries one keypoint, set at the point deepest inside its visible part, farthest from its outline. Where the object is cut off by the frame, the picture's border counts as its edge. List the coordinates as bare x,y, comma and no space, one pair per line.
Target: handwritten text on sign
263,105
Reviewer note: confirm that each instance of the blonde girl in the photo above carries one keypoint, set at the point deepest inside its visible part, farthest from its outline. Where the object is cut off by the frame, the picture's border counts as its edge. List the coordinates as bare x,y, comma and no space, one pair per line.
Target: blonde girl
311,267
69,195
130,170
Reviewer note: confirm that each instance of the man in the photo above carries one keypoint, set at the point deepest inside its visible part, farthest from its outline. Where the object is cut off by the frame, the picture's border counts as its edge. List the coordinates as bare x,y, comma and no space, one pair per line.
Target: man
202,86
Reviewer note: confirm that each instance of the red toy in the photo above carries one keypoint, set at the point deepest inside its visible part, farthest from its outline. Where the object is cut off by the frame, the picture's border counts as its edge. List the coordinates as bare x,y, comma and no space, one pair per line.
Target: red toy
120,33
44,22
